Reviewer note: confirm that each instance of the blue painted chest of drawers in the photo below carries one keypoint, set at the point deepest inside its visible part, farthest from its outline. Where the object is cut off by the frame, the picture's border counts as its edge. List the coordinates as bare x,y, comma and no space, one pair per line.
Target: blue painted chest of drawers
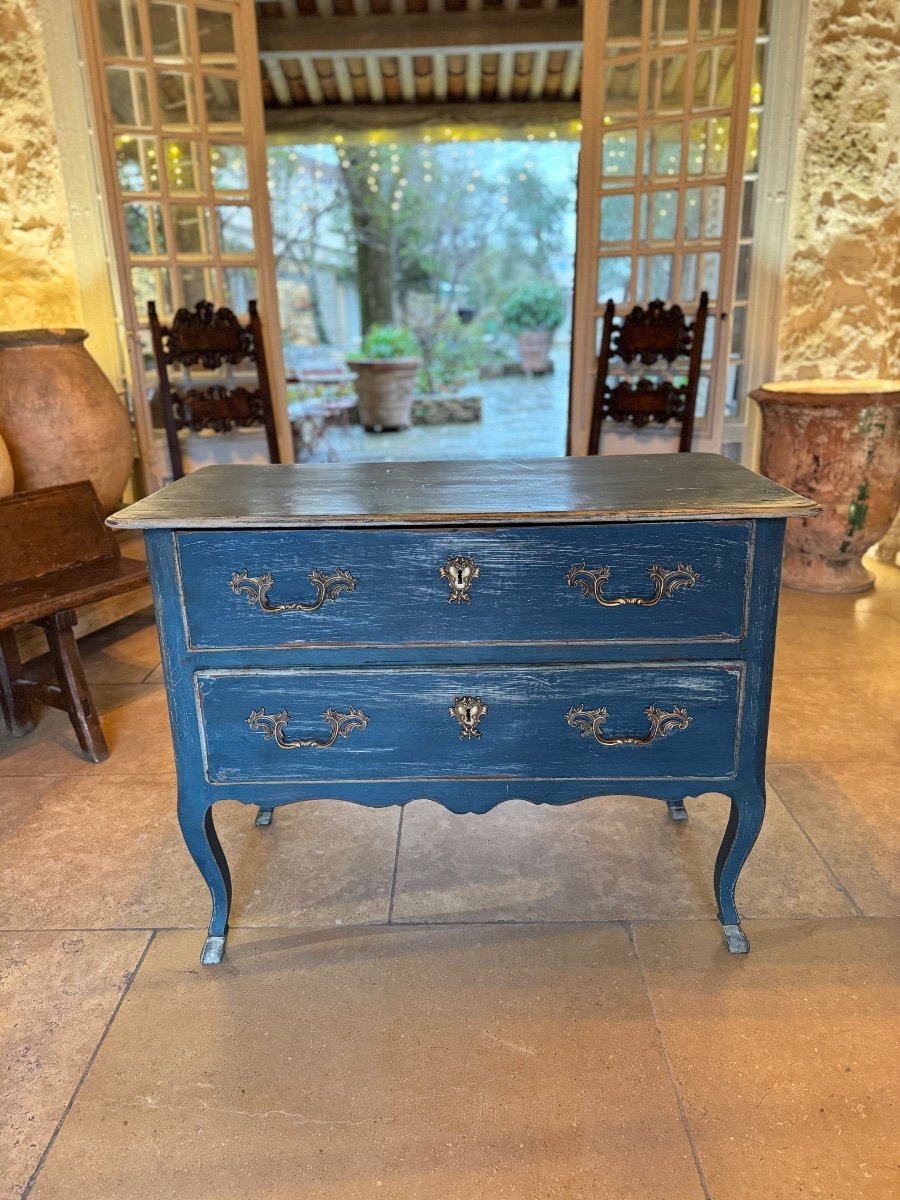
469,633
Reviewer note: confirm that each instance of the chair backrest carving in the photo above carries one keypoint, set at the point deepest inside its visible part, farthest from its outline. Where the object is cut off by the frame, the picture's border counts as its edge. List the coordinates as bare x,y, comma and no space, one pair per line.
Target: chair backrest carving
211,338
208,337
648,336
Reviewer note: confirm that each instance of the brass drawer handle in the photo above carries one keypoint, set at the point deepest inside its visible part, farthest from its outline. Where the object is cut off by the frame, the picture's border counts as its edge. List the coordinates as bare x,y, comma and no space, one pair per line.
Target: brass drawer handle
272,726
468,710
664,583
256,588
460,574
661,724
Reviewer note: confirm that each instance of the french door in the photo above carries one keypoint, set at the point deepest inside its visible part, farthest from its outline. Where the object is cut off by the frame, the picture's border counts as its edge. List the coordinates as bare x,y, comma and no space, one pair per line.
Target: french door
179,112
670,110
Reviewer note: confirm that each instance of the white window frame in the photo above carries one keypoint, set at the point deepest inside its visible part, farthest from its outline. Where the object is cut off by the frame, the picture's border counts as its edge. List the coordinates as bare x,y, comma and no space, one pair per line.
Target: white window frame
154,461
589,307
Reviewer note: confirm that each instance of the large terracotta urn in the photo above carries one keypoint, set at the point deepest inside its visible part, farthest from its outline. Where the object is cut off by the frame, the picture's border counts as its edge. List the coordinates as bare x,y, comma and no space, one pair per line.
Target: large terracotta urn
837,441
7,479
60,416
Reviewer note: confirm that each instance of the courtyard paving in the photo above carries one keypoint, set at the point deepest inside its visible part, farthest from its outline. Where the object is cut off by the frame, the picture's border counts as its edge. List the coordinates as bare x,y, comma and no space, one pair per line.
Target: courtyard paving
523,416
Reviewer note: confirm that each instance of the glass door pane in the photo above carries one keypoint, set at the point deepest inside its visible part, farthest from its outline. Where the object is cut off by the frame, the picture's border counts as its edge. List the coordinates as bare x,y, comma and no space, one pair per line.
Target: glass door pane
666,115
177,84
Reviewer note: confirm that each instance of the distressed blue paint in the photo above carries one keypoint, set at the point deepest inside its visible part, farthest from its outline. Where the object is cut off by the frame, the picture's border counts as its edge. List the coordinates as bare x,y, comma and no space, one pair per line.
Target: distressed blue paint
410,733
528,645
521,593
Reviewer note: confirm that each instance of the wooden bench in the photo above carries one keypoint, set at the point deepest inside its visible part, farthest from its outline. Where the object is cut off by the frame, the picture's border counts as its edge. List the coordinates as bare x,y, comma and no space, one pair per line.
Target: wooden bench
56,554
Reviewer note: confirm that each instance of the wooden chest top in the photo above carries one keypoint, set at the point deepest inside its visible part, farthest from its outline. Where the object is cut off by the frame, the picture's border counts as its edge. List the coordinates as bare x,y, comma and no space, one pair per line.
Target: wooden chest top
655,487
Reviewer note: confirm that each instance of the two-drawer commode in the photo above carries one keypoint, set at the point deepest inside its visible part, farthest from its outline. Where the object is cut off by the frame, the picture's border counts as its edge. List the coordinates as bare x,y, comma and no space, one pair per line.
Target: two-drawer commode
468,633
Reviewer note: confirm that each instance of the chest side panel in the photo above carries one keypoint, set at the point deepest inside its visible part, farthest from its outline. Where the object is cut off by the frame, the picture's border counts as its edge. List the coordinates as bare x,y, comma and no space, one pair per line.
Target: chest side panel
683,581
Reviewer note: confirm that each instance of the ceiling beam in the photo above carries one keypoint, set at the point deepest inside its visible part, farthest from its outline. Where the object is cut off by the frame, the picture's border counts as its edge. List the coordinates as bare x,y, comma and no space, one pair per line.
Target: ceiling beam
425,33
323,121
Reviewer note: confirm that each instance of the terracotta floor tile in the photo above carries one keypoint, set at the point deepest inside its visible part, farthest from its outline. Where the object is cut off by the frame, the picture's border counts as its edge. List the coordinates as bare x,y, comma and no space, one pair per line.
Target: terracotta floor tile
817,717
118,859
883,598
57,993
851,815
120,654
134,721
615,858
17,803
827,640
460,1063
881,688
786,1058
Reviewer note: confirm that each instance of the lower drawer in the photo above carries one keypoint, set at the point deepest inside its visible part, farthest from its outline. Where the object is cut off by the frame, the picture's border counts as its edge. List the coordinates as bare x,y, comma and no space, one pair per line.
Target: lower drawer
569,722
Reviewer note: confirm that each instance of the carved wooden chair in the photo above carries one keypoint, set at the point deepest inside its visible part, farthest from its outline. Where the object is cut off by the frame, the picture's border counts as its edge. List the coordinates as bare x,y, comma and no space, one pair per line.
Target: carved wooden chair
649,336
211,339
56,554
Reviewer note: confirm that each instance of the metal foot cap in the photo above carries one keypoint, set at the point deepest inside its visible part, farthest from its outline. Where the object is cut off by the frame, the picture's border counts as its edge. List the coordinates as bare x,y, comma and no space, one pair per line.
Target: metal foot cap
678,812
263,817
735,939
213,949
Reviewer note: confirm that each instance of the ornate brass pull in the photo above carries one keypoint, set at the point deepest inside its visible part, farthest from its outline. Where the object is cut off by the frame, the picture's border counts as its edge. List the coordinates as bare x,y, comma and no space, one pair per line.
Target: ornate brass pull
664,583
272,726
468,710
256,588
661,724
459,573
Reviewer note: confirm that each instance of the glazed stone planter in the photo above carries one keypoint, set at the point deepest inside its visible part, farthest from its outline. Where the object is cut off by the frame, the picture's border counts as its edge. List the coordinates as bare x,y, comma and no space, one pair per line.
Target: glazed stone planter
60,416
838,442
385,388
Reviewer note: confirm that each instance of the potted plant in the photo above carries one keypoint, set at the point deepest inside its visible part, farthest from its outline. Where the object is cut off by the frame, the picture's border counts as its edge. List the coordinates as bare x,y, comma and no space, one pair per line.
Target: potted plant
385,367
532,314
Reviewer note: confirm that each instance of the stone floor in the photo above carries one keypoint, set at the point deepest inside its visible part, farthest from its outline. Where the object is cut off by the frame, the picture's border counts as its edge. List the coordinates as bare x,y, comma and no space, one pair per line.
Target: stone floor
530,1004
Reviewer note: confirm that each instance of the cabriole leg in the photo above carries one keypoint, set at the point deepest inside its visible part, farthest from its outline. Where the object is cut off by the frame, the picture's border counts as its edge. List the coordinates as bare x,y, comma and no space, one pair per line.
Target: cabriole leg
748,807
195,819
677,811
264,817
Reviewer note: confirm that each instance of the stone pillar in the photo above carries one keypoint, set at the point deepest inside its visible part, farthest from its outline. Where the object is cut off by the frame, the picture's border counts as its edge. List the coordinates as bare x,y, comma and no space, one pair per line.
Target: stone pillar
841,304
38,278
840,313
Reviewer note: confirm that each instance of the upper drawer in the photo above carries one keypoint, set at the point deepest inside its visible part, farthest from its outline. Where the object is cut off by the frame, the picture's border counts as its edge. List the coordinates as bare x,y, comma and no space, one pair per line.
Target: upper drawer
679,581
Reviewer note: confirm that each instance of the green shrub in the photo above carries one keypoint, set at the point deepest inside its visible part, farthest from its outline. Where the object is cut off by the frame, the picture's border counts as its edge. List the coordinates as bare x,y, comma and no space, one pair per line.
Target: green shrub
387,341
451,357
534,306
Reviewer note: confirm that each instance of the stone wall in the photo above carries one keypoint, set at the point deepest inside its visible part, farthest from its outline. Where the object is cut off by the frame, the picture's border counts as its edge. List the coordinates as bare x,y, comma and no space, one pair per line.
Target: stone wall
38,282
841,301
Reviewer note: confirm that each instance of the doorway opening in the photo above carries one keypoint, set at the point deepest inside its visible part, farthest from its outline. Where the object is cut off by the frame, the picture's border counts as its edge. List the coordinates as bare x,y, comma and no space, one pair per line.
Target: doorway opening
453,245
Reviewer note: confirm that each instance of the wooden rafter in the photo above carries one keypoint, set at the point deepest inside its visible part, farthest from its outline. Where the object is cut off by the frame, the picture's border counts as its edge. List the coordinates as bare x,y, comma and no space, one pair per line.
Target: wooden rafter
425,33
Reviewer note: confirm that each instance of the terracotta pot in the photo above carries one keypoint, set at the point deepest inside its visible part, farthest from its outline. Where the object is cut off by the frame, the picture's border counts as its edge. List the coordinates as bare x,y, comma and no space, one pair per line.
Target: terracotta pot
385,389
7,478
60,415
534,350
837,441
